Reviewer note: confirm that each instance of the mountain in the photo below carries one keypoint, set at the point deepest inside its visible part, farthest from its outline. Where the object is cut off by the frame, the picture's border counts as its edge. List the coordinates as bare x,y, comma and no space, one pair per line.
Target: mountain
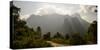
75,24
58,23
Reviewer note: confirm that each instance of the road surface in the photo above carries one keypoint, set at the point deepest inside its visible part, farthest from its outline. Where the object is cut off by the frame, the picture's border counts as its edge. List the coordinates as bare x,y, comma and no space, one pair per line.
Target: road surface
54,44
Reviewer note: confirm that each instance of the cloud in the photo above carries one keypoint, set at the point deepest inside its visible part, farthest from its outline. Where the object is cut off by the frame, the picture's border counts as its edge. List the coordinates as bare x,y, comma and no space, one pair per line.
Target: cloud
24,17
51,9
88,13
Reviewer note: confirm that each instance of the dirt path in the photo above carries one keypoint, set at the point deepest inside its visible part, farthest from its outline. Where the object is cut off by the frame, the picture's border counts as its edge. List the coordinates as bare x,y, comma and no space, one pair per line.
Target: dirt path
55,44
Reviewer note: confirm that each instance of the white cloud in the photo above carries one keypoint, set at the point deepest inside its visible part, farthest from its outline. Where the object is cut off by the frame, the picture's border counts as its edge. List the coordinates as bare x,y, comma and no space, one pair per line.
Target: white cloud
51,9
24,17
87,12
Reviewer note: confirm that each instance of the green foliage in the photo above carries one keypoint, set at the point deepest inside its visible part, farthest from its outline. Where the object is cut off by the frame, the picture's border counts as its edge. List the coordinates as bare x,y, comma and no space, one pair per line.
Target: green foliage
58,35
61,41
93,28
67,36
91,36
46,36
30,43
76,39
23,36
58,38
38,29
92,32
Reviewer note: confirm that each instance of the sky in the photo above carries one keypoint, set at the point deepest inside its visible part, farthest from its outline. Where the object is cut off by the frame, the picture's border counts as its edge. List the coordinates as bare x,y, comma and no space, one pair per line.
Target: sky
86,12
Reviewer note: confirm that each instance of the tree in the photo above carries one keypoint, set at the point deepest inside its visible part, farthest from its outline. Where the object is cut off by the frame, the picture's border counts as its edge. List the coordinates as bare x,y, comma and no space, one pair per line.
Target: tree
14,14
58,35
92,32
67,36
39,30
22,36
76,39
47,36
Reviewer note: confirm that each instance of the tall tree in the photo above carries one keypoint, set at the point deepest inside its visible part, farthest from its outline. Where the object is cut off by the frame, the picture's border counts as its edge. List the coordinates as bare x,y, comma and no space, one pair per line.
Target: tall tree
92,30
21,35
67,36
47,36
39,30
14,14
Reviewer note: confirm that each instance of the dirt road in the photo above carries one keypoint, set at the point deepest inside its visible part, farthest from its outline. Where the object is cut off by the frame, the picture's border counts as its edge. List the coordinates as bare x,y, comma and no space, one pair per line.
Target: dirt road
55,44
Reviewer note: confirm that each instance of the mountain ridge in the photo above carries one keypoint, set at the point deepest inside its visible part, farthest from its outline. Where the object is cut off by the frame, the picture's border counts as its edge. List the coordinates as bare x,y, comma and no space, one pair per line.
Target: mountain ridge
58,23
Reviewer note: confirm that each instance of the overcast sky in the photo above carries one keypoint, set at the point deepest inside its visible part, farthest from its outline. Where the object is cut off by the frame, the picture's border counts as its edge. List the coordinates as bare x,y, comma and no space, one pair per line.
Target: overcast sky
41,8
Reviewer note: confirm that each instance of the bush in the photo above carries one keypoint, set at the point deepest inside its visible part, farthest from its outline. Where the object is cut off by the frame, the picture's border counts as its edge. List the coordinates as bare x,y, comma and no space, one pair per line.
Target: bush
60,41
76,39
30,43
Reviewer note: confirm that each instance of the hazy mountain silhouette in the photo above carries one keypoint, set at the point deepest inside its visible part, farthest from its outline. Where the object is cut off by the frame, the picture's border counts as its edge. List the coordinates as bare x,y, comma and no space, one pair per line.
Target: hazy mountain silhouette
58,23
75,24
